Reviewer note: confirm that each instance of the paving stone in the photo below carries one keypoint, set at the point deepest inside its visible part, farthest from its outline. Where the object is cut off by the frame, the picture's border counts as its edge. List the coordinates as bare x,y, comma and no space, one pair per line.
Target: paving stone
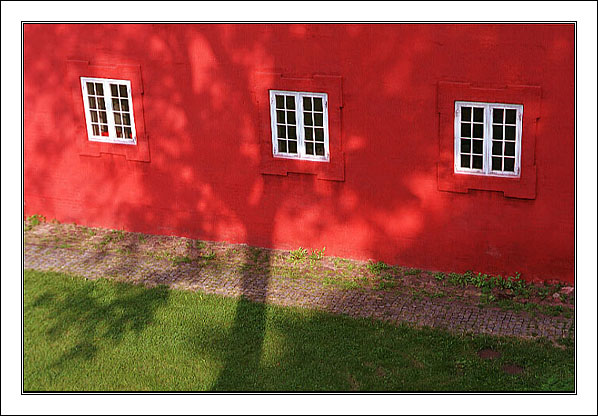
308,293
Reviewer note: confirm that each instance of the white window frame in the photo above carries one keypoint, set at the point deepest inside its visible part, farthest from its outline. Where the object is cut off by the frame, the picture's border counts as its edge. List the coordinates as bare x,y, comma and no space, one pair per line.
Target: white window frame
301,154
487,149
112,137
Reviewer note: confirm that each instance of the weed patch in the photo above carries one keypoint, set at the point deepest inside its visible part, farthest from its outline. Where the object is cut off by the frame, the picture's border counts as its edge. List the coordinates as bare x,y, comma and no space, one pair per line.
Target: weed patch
317,254
33,221
180,260
299,254
378,267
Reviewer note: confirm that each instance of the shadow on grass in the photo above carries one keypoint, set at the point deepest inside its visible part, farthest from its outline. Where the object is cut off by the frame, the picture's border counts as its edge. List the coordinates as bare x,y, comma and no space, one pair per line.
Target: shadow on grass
244,344
86,317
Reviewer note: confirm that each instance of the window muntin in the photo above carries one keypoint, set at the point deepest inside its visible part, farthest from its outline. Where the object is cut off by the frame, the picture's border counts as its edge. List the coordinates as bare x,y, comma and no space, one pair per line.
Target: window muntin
108,110
488,138
299,125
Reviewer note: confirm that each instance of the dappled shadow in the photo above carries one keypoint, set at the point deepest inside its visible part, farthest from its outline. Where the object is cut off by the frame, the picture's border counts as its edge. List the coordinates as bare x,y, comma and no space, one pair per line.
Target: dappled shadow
201,117
80,313
204,180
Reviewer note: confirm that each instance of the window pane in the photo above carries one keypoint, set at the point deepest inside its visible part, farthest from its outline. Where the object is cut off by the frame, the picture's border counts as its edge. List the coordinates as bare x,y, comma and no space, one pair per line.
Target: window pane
307,119
103,118
280,117
99,89
128,133
465,161
509,148
466,113
465,145
292,132
510,116
92,102
497,114
119,131
476,162
124,104
101,103
478,146
116,104
320,135
114,90
292,146
104,129
309,148
117,118
96,129
290,102
291,117
465,130
307,103
319,119
497,163
94,116
282,146
478,131
279,101
319,149
282,132
309,133
497,132
509,164
126,119
317,104
478,114
123,91
497,148
90,89
510,132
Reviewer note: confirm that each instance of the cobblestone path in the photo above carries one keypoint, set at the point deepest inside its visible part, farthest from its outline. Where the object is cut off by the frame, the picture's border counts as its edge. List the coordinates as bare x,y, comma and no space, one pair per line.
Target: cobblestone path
388,306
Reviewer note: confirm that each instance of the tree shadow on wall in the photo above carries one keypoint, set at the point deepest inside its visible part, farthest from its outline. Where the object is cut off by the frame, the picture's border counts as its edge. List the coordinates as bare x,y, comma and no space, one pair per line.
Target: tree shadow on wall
208,179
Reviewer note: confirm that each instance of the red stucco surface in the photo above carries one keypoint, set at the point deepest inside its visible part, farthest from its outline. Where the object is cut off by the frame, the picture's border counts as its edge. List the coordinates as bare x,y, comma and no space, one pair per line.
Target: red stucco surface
202,170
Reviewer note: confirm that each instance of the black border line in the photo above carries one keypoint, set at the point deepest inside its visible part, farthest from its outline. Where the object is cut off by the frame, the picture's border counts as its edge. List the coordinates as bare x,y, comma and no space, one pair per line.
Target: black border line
283,392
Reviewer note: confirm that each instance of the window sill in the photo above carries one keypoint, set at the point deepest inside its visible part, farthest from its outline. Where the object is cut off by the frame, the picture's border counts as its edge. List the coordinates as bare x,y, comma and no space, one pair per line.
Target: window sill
307,159
112,141
488,175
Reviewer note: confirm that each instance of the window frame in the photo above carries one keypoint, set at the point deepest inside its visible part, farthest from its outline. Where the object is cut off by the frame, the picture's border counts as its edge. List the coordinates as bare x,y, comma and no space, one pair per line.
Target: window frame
487,139
112,137
301,153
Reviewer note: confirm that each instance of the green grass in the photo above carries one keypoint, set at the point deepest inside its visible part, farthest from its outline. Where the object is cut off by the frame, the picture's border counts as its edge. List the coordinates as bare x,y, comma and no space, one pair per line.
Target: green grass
104,335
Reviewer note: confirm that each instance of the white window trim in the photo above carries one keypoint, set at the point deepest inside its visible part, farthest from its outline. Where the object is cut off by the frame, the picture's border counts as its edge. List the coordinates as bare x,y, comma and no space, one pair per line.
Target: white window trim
300,127
111,138
487,152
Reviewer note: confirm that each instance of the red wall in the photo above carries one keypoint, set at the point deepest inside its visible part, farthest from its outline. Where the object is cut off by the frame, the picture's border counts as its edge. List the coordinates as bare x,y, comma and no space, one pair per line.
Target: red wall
203,126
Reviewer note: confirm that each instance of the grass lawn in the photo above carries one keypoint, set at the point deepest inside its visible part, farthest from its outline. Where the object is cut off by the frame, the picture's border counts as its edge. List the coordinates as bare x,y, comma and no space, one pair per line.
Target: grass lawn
82,335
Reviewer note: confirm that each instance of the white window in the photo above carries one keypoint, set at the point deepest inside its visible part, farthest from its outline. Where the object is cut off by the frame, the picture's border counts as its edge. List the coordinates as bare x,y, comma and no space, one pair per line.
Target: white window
108,110
488,138
299,125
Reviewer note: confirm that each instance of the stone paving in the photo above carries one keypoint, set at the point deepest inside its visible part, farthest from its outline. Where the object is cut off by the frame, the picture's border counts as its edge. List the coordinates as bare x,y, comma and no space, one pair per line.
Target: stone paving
385,305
